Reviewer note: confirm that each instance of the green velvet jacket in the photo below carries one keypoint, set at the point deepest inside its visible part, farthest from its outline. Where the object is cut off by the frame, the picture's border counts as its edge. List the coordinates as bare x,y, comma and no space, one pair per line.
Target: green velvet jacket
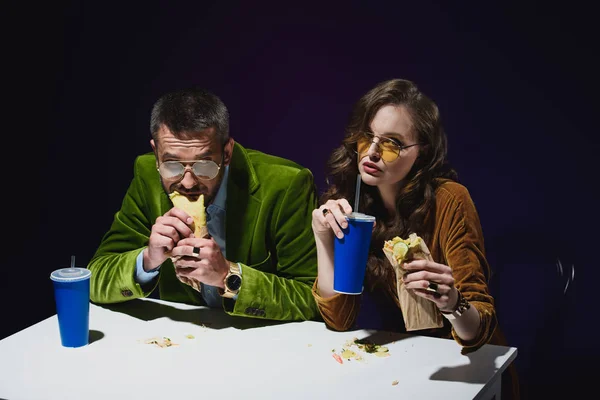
268,230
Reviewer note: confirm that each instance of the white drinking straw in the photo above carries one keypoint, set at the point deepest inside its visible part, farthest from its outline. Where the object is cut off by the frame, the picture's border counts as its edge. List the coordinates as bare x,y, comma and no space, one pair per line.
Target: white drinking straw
72,261
357,194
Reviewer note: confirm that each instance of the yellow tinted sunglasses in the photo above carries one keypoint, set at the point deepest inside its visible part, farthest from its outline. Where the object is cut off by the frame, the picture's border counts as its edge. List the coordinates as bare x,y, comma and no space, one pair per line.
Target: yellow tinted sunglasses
389,149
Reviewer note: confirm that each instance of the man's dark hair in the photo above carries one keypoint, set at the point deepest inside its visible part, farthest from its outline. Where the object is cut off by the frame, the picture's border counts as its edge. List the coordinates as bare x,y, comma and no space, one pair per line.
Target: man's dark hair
188,111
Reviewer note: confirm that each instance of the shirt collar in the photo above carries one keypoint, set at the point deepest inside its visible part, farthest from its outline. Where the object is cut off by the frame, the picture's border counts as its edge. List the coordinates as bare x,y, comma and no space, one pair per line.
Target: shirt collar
221,197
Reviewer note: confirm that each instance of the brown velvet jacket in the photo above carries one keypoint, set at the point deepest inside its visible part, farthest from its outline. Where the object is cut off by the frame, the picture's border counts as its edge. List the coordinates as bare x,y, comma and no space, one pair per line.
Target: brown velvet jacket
457,241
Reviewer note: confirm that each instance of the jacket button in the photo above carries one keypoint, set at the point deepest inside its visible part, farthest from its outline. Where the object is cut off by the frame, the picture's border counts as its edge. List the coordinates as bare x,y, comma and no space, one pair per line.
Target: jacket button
126,293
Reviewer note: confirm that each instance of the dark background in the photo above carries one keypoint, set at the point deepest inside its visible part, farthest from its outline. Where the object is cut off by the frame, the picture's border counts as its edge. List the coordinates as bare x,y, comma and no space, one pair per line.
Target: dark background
515,82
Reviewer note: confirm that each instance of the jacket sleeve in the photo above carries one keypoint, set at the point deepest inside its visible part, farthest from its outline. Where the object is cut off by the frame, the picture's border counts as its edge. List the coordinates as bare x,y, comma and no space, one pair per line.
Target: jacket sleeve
285,294
338,311
465,254
113,264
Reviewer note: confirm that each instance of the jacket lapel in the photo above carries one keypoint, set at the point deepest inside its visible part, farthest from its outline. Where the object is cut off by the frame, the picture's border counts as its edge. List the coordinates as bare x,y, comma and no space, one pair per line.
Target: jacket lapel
242,208
165,203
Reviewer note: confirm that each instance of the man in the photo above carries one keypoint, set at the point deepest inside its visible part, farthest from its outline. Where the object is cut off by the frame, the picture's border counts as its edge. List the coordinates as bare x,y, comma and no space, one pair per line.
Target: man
259,258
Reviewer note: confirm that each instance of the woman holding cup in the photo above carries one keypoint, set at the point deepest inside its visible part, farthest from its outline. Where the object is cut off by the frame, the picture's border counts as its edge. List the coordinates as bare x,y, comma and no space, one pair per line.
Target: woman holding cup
396,145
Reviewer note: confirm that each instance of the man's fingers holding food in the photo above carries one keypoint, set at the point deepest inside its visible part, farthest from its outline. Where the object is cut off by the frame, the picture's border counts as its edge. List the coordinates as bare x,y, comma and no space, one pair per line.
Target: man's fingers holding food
180,215
160,241
198,242
183,271
187,263
165,241
187,251
172,226
194,208
195,249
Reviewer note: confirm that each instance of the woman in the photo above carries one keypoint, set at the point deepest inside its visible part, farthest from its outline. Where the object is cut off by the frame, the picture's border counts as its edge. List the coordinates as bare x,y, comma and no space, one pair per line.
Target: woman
396,142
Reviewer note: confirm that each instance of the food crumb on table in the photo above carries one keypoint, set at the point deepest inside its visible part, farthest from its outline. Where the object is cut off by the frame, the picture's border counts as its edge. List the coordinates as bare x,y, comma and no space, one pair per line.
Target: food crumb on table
364,346
161,342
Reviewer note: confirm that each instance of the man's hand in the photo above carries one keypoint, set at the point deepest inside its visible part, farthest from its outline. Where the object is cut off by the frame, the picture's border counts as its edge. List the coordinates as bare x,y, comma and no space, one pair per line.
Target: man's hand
167,231
207,265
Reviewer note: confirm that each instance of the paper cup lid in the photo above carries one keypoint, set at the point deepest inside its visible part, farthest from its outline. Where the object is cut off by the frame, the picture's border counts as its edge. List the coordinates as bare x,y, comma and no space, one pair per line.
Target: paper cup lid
360,216
70,274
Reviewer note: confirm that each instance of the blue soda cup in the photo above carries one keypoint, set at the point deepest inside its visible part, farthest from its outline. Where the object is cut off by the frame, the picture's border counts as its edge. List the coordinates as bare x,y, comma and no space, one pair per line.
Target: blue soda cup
351,253
72,296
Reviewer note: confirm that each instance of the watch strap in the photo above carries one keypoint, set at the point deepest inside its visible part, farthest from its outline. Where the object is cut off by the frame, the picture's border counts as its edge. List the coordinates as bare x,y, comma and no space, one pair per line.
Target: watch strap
462,305
234,269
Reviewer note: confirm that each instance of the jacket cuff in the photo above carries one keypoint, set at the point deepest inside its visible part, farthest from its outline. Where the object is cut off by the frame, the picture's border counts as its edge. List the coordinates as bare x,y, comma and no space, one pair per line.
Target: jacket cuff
487,326
338,311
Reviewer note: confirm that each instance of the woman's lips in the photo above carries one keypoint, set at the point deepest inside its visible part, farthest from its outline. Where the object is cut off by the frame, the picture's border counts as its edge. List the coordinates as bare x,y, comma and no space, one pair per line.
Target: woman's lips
370,168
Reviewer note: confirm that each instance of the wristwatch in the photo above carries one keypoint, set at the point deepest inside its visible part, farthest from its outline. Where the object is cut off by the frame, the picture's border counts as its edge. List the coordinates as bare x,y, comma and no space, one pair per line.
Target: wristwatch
462,305
232,281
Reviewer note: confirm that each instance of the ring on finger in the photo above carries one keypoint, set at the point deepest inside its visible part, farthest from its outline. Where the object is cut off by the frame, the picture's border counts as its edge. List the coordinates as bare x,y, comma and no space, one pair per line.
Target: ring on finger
326,211
196,251
433,287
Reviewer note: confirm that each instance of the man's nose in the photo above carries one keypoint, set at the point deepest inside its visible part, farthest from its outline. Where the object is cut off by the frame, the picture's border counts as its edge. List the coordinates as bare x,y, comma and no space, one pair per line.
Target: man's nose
189,179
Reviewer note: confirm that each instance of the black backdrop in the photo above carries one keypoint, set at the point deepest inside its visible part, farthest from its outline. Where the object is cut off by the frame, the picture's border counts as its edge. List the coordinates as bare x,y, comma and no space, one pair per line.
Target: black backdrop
516,85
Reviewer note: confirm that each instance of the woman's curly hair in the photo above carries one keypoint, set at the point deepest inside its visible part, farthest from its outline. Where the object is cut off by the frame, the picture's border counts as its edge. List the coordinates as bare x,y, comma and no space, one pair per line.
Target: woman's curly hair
415,204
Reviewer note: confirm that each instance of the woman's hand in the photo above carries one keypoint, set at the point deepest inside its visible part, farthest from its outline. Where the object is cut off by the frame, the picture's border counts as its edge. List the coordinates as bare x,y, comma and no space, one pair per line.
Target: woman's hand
330,219
424,276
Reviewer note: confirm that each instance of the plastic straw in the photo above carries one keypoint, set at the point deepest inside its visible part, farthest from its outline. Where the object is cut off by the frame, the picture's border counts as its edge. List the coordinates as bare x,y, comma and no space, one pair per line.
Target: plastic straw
357,193
72,261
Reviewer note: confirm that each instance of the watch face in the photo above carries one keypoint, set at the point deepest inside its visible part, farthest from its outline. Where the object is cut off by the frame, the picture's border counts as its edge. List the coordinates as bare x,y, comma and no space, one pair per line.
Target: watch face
234,282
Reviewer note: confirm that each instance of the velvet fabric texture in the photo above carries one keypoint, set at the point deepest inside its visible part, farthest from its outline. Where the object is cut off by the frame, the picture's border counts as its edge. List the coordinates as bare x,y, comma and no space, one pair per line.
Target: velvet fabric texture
268,230
457,241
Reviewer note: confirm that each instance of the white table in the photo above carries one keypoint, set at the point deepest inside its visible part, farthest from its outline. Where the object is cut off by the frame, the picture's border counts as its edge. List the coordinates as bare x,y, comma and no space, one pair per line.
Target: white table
234,357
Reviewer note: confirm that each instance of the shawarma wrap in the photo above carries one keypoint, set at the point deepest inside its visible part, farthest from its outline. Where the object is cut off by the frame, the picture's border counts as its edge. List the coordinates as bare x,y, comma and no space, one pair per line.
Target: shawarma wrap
418,312
195,209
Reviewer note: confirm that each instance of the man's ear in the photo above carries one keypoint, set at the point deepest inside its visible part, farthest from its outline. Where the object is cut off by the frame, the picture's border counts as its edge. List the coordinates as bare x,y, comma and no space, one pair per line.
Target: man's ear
228,151
155,150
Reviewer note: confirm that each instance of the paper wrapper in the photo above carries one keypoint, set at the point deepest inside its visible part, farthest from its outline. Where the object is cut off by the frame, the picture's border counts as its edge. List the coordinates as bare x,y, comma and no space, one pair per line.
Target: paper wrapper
418,312
190,282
